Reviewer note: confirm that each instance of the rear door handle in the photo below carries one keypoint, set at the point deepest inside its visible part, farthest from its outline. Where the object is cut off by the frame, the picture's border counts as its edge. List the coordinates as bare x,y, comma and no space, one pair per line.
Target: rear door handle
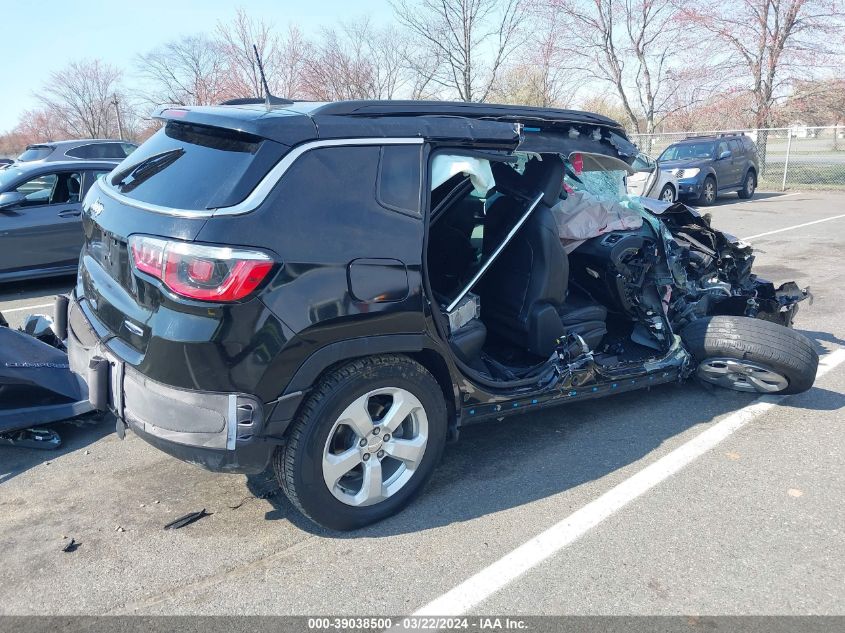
69,213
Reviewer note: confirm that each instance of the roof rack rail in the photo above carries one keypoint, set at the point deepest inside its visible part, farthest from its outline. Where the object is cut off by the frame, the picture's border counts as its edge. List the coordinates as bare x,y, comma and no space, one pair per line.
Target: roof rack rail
719,135
506,112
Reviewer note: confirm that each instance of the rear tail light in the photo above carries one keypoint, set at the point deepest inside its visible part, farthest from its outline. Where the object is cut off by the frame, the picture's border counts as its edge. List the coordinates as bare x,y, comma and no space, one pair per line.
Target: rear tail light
197,271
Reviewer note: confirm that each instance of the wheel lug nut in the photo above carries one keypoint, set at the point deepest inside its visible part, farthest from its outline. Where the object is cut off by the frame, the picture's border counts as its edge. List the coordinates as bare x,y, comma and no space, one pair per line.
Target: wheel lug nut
386,437
366,457
376,431
363,442
380,454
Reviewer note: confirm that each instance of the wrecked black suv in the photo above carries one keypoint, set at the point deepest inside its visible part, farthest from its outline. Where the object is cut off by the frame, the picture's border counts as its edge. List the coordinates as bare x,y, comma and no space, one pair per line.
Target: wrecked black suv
335,289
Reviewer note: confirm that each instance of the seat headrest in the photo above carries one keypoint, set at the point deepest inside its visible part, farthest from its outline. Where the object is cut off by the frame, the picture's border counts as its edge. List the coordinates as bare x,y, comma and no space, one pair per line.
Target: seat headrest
545,175
73,185
540,175
506,177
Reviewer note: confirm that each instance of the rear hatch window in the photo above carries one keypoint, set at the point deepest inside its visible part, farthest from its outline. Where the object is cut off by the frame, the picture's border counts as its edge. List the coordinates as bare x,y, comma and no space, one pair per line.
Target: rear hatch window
195,167
36,152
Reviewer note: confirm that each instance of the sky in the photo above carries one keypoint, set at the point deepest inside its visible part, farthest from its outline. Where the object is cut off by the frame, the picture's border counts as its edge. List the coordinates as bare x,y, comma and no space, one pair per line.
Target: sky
36,42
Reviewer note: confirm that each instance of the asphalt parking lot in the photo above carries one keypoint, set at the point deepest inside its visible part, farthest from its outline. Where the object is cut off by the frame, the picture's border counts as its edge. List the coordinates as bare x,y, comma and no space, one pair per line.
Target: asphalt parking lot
749,520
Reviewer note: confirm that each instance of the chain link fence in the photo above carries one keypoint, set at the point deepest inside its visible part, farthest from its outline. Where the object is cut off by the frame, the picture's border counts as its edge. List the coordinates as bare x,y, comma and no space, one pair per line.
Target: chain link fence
798,157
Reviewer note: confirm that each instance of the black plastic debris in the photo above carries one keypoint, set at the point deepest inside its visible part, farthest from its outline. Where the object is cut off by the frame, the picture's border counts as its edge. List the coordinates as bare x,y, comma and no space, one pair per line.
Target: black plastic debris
71,547
267,494
187,519
38,438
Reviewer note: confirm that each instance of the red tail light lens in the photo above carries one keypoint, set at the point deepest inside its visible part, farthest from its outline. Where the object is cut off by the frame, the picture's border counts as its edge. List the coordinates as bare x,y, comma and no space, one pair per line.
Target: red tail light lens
148,255
197,271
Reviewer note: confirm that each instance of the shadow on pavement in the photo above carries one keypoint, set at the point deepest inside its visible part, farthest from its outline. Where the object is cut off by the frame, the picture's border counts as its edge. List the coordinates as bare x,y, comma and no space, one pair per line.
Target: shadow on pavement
497,466
820,338
501,465
818,399
731,198
75,435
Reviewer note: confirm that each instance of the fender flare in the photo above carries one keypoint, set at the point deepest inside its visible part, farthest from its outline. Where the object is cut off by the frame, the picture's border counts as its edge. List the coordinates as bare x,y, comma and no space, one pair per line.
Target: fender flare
326,356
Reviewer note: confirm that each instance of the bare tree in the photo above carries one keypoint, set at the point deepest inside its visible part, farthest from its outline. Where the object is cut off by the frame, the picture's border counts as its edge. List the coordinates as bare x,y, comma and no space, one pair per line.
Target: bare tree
356,61
189,71
816,102
79,98
282,56
773,42
39,125
289,75
606,104
540,74
473,38
636,46
421,66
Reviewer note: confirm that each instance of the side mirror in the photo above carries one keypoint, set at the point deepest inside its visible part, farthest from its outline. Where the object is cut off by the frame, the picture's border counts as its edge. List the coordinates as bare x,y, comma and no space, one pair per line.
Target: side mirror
9,199
725,154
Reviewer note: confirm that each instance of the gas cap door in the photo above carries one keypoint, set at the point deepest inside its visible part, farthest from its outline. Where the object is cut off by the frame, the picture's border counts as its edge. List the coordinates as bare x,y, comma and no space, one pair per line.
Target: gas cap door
378,280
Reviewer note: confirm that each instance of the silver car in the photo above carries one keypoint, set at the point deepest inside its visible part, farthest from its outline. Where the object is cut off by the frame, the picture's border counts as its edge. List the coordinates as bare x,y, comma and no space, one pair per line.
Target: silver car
82,149
40,216
651,180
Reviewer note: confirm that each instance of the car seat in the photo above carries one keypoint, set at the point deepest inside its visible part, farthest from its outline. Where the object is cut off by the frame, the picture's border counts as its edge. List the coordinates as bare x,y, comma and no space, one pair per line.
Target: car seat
73,187
524,296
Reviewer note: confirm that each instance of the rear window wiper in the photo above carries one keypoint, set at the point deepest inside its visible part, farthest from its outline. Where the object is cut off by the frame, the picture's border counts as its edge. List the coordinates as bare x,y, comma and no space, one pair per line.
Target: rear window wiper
145,169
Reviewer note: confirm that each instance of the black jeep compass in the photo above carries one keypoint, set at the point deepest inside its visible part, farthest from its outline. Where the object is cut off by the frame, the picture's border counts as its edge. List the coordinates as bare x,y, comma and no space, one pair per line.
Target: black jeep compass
335,289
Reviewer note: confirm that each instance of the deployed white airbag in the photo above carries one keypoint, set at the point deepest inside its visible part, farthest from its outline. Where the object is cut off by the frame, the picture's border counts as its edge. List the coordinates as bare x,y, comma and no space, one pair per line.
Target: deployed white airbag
583,215
447,165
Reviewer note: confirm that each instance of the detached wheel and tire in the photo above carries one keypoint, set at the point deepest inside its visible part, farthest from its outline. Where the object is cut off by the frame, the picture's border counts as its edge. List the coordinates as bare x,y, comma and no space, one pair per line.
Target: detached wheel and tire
753,355
667,194
365,443
708,192
749,185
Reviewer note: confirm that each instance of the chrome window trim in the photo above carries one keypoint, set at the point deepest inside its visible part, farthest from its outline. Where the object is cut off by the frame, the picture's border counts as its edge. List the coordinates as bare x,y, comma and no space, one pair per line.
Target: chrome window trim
263,189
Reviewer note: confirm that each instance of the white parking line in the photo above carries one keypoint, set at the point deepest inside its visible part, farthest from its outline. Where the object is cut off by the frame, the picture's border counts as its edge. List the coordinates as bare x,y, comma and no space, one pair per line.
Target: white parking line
797,226
40,305
491,579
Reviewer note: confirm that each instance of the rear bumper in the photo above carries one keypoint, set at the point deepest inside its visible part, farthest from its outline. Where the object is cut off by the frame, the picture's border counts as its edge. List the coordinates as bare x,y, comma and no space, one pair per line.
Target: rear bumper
215,430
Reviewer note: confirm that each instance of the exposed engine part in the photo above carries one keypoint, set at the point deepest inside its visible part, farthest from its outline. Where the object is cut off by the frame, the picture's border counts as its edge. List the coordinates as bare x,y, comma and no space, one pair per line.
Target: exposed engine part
716,287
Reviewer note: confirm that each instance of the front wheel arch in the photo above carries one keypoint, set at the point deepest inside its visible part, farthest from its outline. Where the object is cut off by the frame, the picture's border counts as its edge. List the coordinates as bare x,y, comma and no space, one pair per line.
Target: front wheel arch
672,187
711,176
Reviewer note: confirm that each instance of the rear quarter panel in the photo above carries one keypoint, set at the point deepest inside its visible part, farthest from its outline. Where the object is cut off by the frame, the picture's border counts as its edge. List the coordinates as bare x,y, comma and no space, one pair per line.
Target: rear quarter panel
351,267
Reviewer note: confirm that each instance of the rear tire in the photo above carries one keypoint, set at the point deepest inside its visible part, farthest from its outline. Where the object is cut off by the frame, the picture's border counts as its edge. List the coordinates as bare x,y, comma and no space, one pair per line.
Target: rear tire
749,185
748,354
336,429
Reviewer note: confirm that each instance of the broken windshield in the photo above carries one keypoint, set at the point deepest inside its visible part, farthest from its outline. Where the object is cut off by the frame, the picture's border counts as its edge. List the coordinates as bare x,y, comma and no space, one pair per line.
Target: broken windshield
594,200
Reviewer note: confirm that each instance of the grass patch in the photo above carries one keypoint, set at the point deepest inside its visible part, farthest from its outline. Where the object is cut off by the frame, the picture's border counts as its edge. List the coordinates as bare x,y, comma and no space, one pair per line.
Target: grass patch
803,175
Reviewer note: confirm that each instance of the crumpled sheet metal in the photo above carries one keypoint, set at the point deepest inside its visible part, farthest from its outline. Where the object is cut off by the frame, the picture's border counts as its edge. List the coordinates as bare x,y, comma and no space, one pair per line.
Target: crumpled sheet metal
583,215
